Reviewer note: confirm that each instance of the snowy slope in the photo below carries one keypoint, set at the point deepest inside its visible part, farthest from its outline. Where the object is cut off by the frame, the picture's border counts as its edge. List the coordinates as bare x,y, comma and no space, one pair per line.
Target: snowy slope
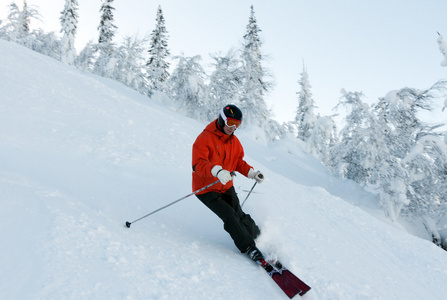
80,155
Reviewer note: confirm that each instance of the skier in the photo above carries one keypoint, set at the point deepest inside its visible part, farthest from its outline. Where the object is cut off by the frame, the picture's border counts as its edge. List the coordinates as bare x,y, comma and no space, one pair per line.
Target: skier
217,152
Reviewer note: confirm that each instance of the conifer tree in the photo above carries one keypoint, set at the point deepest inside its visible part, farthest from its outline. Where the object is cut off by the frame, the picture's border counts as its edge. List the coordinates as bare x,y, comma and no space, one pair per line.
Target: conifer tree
348,156
105,63
157,66
256,84
305,117
443,48
69,21
106,27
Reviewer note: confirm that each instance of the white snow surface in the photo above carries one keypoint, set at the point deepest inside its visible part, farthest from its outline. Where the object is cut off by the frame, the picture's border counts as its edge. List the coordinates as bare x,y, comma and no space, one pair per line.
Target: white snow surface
80,155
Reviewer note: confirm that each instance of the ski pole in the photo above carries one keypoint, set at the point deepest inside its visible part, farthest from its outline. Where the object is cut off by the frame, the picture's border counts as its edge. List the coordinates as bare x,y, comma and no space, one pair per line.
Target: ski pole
161,208
249,193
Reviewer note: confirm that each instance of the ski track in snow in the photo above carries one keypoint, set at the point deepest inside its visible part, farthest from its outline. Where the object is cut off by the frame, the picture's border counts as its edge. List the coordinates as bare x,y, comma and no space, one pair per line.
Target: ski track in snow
82,154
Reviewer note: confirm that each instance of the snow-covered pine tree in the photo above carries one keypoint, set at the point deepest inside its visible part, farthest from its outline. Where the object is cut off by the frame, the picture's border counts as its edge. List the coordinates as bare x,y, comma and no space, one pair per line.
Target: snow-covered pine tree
2,31
305,117
105,63
157,65
256,85
443,48
69,21
347,156
187,87
106,27
225,82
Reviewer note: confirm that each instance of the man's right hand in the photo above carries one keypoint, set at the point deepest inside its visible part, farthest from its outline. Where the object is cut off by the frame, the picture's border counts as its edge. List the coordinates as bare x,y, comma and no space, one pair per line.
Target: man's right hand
223,175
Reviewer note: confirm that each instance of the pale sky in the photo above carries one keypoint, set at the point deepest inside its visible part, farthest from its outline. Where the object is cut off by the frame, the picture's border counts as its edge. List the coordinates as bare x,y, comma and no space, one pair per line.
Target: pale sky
364,45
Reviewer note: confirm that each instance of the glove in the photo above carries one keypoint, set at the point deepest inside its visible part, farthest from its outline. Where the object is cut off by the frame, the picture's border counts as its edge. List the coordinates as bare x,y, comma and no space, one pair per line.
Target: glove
256,175
223,175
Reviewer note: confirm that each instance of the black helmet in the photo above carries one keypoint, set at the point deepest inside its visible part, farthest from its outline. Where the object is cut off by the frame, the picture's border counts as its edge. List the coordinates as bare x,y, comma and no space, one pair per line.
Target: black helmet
229,111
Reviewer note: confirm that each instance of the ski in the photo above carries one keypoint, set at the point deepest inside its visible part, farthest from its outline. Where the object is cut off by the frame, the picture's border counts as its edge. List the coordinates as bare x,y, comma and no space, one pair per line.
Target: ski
292,278
286,280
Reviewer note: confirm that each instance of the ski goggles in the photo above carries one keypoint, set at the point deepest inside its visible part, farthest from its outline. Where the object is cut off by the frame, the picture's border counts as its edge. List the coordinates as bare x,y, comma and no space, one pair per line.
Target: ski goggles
230,122
233,122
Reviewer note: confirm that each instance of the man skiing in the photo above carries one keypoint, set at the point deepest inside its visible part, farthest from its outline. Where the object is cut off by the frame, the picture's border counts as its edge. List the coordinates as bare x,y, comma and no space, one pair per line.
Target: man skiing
217,152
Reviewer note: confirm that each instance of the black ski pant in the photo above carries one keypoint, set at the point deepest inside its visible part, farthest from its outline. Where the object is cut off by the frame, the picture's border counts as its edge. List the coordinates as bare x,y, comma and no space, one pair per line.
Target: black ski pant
241,227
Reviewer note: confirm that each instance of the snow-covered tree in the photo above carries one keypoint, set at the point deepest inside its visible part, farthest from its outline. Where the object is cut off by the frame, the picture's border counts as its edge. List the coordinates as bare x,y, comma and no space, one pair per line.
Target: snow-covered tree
129,68
21,19
401,109
187,86
2,31
226,82
18,27
256,84
386,174
305,117
69,21
106,27
443,48
364,155
427,164
423,153
105,63
46,43
322,138
273,131
85,61
348,155
157,66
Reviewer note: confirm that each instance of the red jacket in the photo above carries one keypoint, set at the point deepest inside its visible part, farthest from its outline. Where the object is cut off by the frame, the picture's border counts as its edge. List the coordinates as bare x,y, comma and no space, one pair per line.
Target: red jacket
213,147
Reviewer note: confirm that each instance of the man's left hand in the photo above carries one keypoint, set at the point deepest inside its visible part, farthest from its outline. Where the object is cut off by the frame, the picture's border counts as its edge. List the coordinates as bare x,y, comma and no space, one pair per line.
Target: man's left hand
256,175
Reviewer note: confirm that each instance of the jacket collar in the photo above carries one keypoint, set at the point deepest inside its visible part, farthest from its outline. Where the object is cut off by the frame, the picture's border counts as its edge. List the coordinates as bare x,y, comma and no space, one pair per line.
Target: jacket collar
214,128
